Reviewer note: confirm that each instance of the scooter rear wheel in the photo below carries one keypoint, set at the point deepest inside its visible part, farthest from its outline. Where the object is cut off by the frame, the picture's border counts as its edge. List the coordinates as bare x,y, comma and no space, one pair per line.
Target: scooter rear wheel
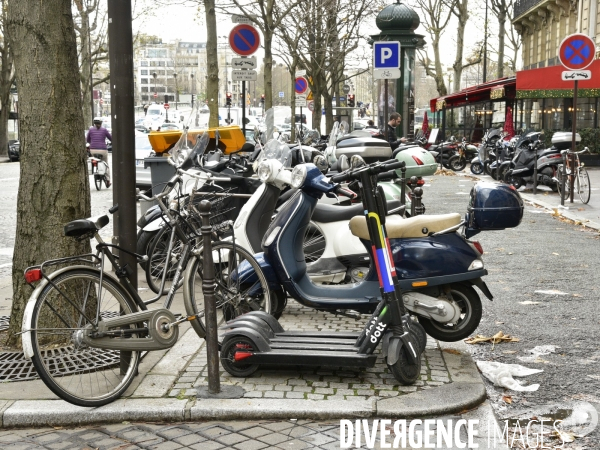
228,351
471,310
98,179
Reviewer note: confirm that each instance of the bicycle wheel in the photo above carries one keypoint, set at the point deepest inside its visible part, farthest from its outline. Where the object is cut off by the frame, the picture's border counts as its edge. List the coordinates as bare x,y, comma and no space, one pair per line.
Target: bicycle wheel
314,243
158,259
98,179
240,285
77,373
584,187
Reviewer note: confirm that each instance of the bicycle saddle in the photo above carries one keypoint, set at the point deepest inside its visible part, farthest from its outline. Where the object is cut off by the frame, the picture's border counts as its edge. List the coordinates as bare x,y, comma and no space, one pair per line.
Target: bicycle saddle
80,227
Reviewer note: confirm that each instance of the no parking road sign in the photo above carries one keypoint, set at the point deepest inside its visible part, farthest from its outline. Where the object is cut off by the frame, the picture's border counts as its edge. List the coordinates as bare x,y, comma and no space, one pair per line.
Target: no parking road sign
577,51
244,39
301,85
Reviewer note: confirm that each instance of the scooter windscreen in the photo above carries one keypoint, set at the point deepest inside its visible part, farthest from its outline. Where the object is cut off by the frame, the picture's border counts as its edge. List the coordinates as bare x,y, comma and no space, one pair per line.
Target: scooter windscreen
197,152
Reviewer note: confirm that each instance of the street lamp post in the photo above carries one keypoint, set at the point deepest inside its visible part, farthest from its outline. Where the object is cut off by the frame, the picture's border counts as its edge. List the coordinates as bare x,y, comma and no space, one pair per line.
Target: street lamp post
192,77
155,91
176,90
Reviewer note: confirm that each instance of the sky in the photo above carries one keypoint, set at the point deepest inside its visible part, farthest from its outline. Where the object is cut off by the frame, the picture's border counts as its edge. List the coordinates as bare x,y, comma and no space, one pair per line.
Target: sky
188,26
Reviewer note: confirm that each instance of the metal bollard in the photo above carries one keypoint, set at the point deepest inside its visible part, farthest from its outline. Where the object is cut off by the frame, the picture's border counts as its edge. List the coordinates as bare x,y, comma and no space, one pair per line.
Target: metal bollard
210,307
572,177
563,179
535,171
417,201
403,186
413,183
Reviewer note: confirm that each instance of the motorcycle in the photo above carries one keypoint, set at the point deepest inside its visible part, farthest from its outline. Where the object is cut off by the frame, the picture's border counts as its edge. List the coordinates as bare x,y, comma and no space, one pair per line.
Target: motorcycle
437,267
521,167
444,151
465,153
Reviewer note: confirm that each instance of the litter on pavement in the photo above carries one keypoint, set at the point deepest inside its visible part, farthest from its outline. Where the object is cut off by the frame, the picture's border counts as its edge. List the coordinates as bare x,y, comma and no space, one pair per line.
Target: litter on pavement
502,375
536,352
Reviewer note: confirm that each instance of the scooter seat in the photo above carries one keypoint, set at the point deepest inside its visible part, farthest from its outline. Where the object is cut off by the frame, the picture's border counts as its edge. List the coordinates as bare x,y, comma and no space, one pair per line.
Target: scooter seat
335,213
413,227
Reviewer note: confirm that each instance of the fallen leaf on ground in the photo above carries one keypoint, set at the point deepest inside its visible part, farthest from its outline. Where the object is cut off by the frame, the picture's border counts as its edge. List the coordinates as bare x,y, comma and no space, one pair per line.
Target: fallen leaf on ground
495,339
507,399
556,254
452,351
565,436
529,302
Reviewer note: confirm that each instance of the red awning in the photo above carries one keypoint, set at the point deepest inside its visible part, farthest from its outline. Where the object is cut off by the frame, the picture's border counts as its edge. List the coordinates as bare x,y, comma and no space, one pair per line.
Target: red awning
550,78
505,88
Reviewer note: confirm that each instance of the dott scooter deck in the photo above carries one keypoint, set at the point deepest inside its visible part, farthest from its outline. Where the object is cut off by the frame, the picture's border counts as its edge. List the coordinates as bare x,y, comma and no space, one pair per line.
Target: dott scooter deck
256,338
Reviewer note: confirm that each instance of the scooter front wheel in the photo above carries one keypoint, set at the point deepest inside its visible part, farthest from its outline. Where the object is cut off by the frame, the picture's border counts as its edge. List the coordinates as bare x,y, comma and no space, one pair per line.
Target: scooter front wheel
241,346
476,168
471,310
98,179
457,163
404,371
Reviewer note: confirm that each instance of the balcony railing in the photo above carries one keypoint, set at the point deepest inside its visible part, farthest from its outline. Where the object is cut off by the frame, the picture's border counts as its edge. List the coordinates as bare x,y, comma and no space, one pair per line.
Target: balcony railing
522,6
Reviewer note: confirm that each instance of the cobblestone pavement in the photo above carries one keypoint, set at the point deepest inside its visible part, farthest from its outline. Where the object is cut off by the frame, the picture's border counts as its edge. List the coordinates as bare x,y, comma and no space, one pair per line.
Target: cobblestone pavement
321,383
244,435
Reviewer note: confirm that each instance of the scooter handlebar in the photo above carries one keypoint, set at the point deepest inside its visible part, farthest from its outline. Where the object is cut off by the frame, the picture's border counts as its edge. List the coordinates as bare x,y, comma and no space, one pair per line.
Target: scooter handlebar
345,192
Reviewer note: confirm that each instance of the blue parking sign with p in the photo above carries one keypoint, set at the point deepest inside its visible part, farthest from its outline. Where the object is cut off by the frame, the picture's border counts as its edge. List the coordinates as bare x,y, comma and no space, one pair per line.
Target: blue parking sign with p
386,55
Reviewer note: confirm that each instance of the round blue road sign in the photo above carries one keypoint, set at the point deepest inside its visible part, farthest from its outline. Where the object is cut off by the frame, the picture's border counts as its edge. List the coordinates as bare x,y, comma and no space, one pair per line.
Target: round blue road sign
244,39
577,51
301,85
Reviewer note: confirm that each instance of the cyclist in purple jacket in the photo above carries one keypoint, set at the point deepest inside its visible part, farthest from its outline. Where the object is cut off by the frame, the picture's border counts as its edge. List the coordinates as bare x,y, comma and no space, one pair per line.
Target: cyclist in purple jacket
96,137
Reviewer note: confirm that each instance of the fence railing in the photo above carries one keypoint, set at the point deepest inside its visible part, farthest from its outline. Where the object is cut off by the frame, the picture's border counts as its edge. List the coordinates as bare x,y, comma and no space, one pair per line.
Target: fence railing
522,6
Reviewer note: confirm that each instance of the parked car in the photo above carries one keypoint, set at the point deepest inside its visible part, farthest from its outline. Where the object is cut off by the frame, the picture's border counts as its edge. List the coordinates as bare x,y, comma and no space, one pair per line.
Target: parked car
14,150
143,150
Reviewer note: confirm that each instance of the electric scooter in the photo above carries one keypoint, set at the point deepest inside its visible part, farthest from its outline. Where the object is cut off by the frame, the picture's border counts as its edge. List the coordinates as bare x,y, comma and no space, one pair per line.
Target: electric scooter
255,339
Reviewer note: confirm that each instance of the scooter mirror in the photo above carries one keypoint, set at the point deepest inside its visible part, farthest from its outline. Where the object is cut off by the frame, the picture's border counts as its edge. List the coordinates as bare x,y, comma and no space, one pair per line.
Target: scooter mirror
356,161
343,163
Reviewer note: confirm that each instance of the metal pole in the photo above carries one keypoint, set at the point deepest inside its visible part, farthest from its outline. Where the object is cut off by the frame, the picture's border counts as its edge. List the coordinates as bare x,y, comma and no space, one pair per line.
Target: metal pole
485,43
385,110
192,76
562,179
244,108
210,307
535,171
122,89
573,141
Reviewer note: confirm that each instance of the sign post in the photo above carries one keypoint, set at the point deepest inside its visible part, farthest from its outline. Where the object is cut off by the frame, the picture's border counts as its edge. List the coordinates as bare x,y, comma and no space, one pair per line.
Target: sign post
301,88
244,40
386,66
576,52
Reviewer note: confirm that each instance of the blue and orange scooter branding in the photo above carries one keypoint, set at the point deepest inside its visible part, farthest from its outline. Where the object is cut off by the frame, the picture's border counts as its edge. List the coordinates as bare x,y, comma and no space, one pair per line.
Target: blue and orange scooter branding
383,256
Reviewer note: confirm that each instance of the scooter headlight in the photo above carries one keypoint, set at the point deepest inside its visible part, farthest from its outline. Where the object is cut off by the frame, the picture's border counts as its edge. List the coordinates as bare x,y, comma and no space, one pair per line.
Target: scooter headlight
264,171
298,176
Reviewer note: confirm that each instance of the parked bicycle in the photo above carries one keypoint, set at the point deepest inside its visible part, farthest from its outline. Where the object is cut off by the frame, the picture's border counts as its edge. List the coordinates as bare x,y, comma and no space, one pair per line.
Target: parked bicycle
579,176
84,328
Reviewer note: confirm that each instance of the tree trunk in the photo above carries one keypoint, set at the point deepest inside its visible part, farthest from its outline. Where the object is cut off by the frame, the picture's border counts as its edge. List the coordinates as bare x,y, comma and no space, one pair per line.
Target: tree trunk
462,14
212,83
6,79
501,36
86,72
54,187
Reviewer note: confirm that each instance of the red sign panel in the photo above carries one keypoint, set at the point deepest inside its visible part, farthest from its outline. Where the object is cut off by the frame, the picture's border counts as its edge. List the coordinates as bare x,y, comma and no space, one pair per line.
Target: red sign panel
244,39
166,106
577,51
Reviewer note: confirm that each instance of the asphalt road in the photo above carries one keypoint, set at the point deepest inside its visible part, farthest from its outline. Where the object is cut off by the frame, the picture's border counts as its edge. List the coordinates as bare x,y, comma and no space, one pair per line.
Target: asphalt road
544,278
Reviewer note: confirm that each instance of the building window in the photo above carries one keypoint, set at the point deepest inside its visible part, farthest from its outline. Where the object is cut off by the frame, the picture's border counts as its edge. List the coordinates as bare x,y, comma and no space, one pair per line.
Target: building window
152,63
144,81
161,63
144,88
144,72
144,98
144,63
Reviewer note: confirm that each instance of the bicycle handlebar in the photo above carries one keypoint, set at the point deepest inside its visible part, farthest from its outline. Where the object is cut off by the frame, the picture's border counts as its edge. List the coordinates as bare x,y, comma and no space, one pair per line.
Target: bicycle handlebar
203,175
569,152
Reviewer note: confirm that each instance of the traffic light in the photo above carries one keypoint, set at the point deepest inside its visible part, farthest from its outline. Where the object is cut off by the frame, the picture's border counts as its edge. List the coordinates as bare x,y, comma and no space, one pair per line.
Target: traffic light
166,98
262,98
351,100
228,100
